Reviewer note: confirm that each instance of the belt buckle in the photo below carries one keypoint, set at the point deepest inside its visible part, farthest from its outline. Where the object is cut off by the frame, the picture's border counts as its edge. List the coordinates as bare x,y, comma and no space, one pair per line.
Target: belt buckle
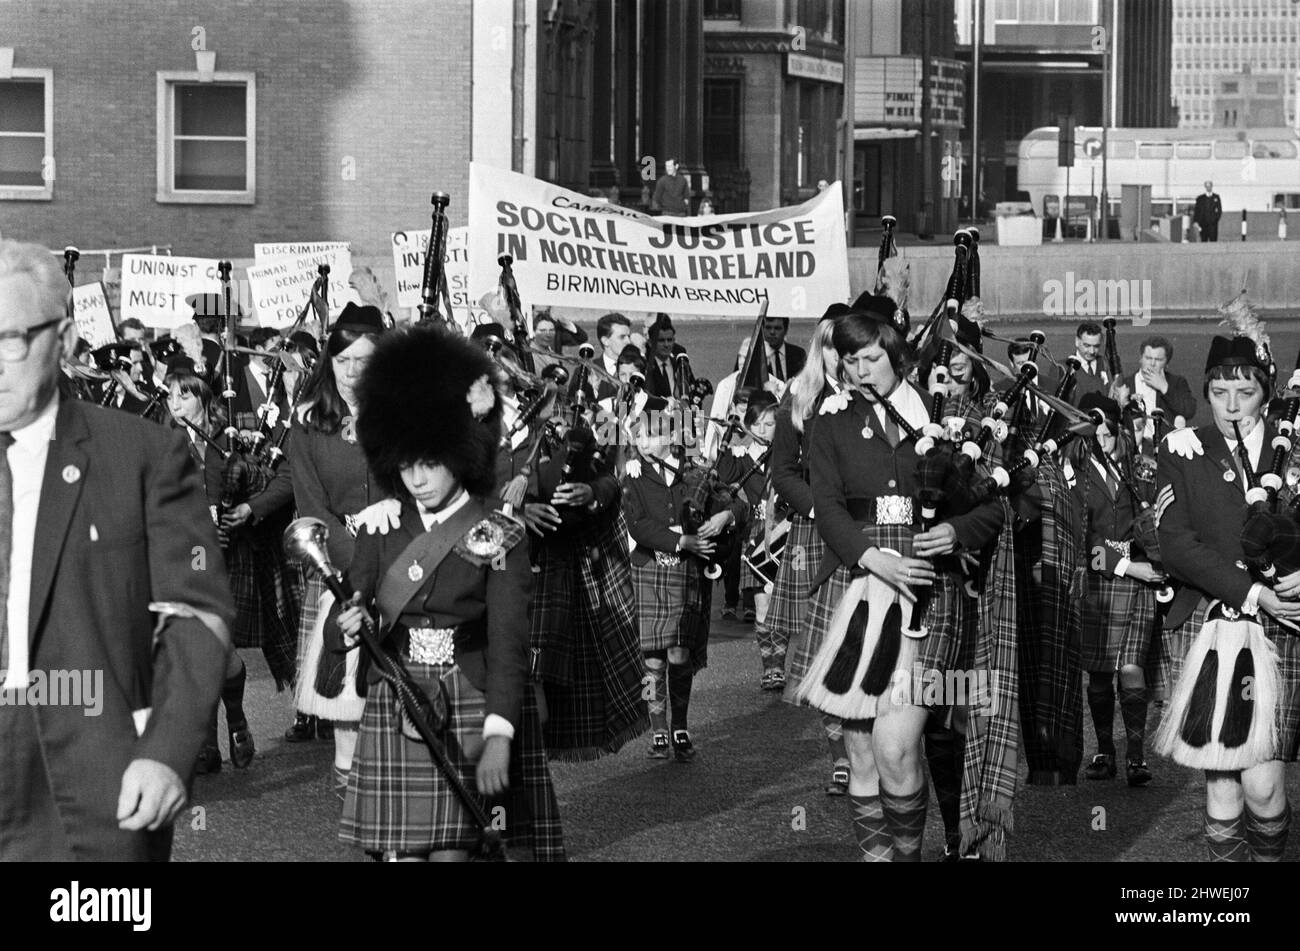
431,645
665,560
893,510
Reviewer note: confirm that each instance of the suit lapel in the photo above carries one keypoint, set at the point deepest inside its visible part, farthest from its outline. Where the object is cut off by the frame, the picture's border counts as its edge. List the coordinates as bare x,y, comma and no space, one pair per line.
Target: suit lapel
67,466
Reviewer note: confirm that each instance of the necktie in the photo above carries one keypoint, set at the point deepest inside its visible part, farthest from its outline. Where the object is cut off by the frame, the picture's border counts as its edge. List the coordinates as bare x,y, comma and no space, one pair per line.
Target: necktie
778,371
1112,487
6,541
890,428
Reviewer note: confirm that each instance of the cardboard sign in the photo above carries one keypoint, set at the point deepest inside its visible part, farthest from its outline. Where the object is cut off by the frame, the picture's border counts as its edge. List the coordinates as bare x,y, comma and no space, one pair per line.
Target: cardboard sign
409,248
281,286
154,287
90,311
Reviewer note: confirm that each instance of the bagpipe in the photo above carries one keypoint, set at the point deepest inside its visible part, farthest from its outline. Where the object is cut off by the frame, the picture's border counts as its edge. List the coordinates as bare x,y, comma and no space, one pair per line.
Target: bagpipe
694,389
435,300
1270,535
699,506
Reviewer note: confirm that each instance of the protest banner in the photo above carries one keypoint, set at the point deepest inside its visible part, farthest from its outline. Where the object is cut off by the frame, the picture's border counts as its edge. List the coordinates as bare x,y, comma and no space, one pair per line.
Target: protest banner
409,248
154,287
573,251
337,254
90,311
281,286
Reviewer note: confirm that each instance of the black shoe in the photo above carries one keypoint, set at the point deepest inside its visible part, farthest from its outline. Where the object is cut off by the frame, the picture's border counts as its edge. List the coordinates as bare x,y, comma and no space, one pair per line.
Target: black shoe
1101,767
303,729
324,729
749,616
1138,773
658,746
241,746
683,748
209,761
729,613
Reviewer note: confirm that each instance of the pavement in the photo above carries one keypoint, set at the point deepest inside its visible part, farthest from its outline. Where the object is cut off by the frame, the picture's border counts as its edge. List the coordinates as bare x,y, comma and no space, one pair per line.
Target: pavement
755,792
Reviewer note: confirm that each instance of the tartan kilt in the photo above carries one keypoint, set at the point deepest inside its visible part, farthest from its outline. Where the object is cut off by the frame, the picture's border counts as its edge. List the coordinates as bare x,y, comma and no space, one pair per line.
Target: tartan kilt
1118,618
586,643
950,617
347,707
398,799
267,598
1178,641
789,605
672,604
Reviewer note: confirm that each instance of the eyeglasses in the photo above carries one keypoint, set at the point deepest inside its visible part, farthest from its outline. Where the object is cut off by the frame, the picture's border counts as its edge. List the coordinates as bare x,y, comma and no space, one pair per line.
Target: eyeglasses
14,344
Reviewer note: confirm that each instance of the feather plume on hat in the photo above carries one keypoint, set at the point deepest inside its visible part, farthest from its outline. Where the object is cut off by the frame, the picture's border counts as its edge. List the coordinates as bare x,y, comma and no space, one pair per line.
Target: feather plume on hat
1239,314
895,281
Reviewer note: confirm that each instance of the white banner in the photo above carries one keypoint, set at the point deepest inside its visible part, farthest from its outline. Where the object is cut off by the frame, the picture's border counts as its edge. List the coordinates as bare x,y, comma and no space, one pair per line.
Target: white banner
337,254
573,251
90,310
281,286
409,248
154,287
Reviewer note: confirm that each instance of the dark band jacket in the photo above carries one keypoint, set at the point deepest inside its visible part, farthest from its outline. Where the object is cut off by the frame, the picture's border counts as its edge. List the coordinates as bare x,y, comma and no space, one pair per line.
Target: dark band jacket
859,479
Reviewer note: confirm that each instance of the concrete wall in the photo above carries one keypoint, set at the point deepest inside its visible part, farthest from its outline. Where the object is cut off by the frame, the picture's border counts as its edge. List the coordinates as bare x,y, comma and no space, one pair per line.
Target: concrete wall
1185,278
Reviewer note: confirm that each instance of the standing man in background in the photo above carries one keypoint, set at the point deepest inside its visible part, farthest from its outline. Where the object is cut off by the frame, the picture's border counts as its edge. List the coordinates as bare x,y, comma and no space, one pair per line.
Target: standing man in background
672,192
1209,209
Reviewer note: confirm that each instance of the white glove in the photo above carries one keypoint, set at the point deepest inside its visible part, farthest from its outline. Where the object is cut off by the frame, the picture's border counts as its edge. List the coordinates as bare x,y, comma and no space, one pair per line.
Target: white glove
380,517
1184,442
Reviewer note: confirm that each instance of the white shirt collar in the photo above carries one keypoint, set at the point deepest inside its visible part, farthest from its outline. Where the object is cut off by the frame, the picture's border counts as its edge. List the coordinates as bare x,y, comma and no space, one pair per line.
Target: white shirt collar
909,403
39,430
431,519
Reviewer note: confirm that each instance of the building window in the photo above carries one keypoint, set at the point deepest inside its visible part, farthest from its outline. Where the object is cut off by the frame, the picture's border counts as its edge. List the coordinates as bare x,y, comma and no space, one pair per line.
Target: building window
722,115
722,9
26,135
206,139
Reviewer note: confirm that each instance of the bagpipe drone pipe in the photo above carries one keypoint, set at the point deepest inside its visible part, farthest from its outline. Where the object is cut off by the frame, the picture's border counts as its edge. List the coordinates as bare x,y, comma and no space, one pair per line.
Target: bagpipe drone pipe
1270,535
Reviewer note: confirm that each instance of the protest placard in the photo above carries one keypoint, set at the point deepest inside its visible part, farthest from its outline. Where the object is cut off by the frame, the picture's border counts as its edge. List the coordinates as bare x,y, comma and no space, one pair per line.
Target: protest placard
154,287
409,248
90,311
337,254
573,251
281,286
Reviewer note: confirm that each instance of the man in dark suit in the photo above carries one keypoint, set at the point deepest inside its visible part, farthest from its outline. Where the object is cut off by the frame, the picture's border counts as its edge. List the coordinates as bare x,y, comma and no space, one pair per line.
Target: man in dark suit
613,332
103,524
783,360
1158,388
1092,376
661,370
1209,209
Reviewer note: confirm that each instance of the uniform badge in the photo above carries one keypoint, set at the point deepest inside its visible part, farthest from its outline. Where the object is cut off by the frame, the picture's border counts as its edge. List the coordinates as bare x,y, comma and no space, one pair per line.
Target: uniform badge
866,431
415,572
485,539
71,474
1229,476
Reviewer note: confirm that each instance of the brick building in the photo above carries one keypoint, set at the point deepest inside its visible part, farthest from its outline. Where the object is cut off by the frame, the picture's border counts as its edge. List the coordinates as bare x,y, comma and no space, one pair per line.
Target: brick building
329,119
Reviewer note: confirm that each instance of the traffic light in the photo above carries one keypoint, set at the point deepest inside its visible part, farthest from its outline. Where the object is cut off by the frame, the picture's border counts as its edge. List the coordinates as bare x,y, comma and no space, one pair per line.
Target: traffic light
1065,141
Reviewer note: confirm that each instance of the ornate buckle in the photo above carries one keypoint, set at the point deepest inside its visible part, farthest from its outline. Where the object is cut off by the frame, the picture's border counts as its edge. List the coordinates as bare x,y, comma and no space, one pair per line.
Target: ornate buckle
893,510
664,560
431,645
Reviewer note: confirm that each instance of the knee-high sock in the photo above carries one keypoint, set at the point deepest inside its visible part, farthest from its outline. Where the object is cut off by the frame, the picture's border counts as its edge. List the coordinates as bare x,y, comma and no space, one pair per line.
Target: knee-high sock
232,696
1226,839
1101,700
871,829
679,692
1266,838
1133,707
906,817
943,751
834,728
656,680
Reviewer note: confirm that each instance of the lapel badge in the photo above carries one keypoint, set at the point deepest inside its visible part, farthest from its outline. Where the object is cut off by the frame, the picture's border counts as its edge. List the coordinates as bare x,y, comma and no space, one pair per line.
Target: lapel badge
94,533
866,431
71,474
1229,475
415,572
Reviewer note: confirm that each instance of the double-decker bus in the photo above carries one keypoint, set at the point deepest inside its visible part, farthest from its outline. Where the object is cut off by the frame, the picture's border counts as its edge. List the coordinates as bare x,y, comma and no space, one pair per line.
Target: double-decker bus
1252,169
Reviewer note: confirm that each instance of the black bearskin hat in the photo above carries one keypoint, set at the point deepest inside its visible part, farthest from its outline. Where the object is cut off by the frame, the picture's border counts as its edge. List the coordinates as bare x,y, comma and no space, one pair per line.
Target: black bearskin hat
427,396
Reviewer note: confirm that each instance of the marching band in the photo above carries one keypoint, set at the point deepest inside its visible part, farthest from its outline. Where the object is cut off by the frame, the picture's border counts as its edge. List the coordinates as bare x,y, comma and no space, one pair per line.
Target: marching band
512,551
